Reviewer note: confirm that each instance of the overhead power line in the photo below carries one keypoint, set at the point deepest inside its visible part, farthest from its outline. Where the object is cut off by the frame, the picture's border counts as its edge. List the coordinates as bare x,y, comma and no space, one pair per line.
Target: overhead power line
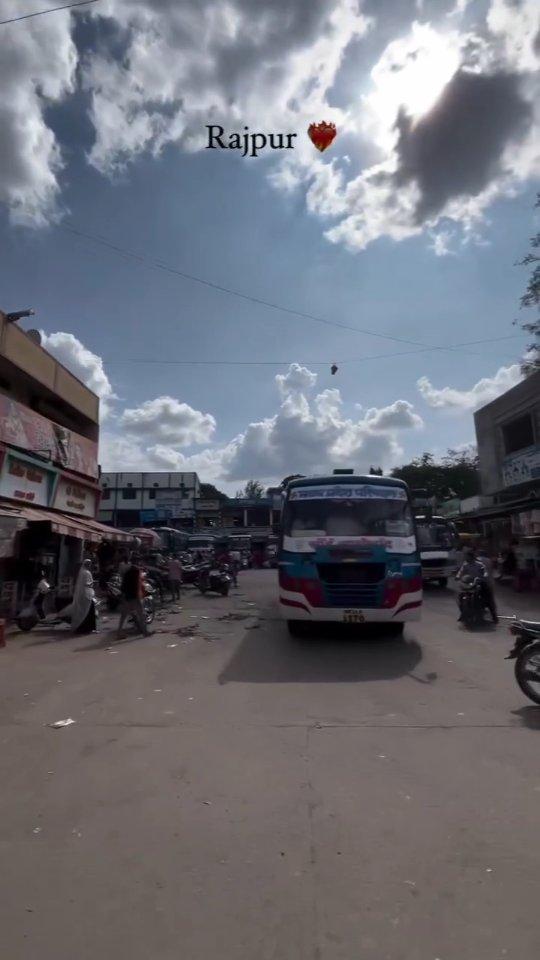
167,268
311,363
40,13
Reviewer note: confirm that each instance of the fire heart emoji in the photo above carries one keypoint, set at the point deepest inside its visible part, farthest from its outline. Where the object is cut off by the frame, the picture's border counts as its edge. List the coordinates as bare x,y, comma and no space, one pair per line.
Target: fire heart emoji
322,134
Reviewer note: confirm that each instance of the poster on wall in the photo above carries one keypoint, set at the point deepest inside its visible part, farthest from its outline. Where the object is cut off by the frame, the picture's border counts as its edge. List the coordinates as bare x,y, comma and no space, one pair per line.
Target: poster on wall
22,427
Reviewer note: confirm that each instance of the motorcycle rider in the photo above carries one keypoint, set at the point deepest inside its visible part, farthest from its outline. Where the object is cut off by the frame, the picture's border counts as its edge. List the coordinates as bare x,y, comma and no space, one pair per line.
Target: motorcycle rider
471,569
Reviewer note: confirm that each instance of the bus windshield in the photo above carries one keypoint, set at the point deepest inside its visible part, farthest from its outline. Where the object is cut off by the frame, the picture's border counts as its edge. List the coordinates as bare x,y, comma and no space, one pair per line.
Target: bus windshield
348,518
435,535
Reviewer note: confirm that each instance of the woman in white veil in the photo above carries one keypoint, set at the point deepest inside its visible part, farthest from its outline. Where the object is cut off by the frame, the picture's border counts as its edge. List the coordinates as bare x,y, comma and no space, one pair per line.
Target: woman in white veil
82,610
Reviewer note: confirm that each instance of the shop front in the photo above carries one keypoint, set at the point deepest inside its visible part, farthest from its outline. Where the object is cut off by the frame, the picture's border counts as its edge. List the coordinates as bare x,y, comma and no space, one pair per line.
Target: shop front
46,524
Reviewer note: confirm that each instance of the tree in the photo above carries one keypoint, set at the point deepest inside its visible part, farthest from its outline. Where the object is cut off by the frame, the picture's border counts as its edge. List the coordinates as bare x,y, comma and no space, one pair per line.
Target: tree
456,475
209,492
531,298
375,472
253,490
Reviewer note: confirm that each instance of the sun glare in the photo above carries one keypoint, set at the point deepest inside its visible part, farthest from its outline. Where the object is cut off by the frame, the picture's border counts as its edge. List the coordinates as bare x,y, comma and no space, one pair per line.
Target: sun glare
411,74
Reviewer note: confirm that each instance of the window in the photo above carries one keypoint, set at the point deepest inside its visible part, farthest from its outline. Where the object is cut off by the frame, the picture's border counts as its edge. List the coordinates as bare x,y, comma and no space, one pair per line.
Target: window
151,494
129,493
518,434
348,518
106,494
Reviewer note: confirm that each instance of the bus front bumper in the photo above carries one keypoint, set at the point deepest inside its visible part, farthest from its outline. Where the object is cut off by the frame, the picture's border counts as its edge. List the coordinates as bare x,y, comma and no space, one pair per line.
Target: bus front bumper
295,606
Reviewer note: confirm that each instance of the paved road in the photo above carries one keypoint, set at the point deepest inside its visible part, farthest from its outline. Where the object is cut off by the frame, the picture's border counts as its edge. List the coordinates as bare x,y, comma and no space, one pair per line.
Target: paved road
244,796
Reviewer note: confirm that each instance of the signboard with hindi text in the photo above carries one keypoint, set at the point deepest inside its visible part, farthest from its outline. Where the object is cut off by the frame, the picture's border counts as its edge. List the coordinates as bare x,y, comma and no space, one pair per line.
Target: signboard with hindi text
73,497
25,481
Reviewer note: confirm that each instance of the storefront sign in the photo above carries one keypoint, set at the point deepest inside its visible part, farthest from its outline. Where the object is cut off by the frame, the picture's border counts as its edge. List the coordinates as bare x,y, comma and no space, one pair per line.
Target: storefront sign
25,481
174,503
73,497
207,504
22,427
521,469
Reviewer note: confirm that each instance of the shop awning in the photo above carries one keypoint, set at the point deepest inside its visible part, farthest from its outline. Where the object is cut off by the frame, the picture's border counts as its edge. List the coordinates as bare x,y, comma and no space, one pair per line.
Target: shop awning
82,528
108,533
501,510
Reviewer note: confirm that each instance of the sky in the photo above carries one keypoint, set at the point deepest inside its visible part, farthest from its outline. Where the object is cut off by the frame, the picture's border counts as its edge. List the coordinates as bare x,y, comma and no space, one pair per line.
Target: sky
204,295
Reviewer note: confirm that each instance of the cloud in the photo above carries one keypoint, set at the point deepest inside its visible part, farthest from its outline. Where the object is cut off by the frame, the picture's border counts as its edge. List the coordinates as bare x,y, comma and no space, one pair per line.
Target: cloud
84,364
428,148
487,389
297,379
456,149
398,416
309,433
37,69
168,420
315,436
267,65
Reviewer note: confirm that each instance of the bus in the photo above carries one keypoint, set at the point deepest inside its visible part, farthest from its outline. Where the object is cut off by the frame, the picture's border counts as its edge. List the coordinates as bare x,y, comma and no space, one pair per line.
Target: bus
174,541
201,543
348,552
438,542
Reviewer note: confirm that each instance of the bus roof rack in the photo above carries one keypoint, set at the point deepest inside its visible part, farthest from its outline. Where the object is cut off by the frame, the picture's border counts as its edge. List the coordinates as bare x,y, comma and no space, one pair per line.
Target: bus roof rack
346,472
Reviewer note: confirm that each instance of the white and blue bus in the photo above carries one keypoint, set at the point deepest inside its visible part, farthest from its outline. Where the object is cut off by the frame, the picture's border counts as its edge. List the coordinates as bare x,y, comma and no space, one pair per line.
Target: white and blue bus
348,552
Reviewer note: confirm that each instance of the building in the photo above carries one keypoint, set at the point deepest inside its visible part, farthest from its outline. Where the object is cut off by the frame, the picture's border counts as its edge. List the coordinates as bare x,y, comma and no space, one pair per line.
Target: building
131,500
49,474
508,438
259,513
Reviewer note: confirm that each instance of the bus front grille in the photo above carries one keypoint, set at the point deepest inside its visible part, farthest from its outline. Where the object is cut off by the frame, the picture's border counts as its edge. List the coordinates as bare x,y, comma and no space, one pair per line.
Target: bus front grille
352,584
352,595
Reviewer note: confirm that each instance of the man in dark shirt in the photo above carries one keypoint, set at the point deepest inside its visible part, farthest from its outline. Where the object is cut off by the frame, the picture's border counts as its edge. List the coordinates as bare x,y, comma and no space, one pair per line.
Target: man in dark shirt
132,596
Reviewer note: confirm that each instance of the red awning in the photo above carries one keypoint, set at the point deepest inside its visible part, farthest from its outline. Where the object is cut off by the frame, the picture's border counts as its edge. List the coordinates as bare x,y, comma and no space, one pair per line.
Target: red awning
82,528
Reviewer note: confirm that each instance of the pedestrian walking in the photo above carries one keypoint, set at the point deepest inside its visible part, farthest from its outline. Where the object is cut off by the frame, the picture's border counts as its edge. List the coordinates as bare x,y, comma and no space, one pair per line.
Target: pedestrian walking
42,589
175,577
82,609
131,603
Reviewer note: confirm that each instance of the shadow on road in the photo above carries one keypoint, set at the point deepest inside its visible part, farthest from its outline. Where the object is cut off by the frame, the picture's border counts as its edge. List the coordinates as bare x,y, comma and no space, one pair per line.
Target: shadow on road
337,654
529,716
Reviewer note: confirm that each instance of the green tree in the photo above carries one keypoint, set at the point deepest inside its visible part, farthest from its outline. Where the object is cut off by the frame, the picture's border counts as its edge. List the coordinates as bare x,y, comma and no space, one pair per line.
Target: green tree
253,490
456,475
375,471
531,298
209,492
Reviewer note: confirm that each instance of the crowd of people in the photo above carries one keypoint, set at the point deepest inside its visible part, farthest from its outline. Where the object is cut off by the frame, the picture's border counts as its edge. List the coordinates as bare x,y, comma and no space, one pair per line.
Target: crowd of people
130,573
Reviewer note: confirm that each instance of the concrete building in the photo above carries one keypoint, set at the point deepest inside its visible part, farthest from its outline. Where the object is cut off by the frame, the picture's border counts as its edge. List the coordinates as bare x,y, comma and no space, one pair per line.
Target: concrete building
508,438
250,513
131,500
49,474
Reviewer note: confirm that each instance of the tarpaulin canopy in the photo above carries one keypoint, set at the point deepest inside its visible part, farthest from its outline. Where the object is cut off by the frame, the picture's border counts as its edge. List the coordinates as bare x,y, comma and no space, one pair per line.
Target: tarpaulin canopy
149,537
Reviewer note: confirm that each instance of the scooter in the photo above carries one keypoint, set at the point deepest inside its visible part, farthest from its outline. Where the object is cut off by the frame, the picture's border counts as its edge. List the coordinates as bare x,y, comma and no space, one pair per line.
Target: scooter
218,580
526,653
30,615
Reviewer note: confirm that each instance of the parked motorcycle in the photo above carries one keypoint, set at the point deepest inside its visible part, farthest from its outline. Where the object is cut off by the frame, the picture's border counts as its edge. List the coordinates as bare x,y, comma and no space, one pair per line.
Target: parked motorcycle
45,606
215,579
472,602
114,596
190,569
526,653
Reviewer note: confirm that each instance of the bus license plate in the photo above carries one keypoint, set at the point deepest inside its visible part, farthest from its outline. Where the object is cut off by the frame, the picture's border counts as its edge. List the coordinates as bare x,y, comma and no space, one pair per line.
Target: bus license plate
353,616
